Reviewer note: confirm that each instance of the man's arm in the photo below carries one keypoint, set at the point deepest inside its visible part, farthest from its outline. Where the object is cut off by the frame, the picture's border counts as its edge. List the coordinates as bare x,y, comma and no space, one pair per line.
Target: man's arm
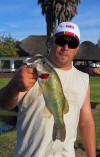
23,80
87,127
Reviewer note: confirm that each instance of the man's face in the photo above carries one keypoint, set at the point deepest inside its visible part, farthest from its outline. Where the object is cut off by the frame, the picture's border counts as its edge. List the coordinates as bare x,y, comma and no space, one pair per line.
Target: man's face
62,56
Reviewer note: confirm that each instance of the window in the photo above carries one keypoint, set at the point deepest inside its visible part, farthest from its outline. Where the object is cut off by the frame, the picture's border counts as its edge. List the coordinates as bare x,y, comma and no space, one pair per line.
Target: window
17,63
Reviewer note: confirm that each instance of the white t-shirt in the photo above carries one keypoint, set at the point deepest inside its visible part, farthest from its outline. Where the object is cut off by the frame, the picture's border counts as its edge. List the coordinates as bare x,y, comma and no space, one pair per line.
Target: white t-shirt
34,131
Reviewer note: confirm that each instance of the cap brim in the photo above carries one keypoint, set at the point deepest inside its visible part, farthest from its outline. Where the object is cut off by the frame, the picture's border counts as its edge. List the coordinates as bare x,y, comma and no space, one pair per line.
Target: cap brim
61,34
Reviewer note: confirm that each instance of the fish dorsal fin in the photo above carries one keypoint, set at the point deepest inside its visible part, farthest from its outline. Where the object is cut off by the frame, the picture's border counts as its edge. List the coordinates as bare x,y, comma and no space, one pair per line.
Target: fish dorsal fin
66,107
46,112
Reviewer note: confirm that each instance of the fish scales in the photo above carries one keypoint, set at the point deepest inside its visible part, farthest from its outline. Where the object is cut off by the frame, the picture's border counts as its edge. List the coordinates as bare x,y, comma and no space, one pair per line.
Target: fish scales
52,96
55,100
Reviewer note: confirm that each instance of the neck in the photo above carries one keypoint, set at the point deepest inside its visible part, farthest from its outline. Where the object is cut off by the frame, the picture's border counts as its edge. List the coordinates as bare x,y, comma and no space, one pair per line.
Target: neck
62,67
66,68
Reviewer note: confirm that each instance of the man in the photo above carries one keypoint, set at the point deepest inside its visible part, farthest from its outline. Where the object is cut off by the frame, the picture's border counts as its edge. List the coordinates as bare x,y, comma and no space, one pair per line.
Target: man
34,131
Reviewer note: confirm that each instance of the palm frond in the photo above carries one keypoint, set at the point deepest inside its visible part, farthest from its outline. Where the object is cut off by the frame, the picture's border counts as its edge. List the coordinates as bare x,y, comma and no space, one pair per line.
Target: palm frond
61,10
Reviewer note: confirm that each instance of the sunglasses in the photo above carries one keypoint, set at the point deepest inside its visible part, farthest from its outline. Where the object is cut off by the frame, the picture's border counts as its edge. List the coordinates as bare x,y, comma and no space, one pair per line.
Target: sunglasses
71,41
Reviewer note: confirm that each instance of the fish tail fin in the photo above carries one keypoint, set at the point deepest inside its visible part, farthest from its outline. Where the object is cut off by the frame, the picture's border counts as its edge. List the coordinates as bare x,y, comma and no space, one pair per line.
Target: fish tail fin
59,133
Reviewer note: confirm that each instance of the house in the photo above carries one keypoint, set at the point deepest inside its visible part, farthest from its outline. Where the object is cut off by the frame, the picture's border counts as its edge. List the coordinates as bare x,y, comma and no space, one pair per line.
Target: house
34,44
27,48
88,53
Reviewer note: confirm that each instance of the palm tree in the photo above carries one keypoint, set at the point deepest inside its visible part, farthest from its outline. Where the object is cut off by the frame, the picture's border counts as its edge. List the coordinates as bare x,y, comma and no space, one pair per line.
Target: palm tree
57,11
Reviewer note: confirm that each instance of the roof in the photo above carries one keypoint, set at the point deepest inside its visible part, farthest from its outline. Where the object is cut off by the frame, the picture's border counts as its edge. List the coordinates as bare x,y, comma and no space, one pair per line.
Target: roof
34,44
37,44
88,51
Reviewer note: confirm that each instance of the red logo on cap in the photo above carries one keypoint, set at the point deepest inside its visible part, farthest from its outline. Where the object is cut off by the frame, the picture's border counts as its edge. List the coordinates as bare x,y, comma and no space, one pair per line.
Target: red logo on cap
70,26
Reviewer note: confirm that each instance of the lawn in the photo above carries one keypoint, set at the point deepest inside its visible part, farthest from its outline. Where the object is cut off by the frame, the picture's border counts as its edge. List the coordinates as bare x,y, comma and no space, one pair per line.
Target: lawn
8,139
7,143
95,99
4,82
95,88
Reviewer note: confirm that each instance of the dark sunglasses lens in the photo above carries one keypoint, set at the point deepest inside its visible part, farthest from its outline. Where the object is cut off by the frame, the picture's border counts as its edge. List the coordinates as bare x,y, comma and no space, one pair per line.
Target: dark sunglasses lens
60,41
72,42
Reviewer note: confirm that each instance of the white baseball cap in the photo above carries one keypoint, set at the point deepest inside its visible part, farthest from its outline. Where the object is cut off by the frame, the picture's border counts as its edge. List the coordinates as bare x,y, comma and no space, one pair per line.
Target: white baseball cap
67,29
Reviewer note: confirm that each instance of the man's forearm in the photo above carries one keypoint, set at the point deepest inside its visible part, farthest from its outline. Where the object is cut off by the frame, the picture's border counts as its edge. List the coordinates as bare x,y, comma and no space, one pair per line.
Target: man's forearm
23,80
8,97
87,132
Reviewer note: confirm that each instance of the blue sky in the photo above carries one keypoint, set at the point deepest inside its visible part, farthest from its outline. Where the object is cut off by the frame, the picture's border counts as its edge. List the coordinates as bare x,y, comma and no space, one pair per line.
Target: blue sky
22,18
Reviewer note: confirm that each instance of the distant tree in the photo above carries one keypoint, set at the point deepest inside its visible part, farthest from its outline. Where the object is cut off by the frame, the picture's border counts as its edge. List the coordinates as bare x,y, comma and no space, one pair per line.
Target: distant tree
98,42
8,46
57,11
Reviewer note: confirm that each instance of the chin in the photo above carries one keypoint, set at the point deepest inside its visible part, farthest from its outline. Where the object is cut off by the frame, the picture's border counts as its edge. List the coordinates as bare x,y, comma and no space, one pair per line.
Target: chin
63,63
63,60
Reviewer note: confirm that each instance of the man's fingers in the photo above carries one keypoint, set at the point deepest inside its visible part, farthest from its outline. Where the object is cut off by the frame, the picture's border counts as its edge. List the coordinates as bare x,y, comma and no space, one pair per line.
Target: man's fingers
30,70
25,78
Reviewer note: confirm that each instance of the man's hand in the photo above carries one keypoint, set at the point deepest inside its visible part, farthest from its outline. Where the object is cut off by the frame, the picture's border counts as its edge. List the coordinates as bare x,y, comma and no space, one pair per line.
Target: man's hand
24,78
22,81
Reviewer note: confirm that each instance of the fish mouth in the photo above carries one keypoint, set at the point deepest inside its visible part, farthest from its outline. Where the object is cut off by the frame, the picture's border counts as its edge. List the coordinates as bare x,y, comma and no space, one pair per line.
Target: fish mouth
44,76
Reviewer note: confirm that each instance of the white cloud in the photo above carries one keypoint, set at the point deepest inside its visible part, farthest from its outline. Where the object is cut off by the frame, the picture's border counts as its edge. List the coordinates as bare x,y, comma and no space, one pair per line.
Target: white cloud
88,22
2,30
9,8
21,34
11,25
91,35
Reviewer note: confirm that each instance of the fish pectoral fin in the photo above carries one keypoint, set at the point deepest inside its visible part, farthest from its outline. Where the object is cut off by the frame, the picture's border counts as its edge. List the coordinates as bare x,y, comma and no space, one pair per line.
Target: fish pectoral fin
66,107
40,90
46,112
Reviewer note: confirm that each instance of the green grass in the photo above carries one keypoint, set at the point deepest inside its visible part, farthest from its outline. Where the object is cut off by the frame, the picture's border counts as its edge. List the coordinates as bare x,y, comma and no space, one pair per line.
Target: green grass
95,97
4,82
97,122
8,139
95,89
8,113
7,144
96,116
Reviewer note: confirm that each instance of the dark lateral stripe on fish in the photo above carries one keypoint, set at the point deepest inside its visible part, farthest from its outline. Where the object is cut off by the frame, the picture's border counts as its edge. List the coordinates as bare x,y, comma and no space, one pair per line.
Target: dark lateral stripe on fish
44,76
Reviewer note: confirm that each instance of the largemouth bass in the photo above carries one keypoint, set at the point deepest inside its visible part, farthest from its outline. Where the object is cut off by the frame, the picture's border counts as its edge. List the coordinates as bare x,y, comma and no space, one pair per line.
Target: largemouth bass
55,100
